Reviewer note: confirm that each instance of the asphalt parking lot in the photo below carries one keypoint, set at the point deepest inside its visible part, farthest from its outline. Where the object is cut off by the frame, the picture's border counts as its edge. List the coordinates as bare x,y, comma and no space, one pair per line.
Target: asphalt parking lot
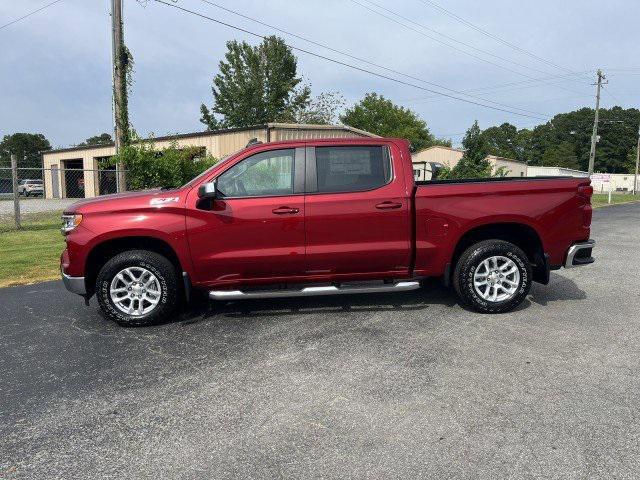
384,386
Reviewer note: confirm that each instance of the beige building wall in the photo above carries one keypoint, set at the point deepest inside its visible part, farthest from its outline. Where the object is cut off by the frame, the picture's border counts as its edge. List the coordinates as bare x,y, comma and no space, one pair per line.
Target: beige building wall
513,168
445,155
217,144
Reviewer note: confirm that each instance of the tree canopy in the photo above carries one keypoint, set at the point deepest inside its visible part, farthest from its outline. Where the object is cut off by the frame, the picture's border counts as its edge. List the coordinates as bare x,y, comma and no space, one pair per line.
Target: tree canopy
565,140
26,146
507,141
561,155
322,109
102,139
256,85
379,115
474,163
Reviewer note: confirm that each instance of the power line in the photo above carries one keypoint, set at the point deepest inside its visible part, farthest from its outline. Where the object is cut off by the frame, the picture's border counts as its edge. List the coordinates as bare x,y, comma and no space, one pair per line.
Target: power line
419,32
524,84
491,35
360,59
443,42
29,14
453,39
614,97
354,67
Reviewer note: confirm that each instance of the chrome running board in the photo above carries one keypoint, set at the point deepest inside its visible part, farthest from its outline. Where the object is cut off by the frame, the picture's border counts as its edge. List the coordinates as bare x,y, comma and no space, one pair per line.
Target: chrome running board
313,291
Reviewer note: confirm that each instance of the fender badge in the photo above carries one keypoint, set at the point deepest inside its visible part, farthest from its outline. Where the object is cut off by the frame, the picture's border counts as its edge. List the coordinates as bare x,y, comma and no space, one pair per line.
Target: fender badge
163,200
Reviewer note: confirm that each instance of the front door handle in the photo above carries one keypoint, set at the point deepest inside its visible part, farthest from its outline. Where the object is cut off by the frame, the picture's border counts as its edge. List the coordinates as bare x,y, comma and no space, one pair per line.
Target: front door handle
285,210
388,205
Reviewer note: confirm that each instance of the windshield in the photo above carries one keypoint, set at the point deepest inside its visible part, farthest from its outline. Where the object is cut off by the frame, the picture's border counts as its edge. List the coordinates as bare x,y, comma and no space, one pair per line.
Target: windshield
206,172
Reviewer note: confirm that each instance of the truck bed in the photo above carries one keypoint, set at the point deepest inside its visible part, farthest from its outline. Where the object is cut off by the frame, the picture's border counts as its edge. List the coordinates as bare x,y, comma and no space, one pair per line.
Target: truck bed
550,208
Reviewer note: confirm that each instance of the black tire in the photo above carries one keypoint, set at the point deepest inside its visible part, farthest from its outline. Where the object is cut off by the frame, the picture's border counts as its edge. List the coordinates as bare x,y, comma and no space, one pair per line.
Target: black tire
26,194
164,271
470,260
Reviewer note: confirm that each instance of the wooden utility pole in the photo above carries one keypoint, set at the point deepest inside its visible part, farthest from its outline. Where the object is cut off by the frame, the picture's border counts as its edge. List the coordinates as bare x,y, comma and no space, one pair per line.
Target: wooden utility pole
119,86
635,176
594,136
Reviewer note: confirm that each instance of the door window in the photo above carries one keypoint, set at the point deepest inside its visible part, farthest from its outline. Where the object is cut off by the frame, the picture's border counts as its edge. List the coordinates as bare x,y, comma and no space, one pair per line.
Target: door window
352,169
264,174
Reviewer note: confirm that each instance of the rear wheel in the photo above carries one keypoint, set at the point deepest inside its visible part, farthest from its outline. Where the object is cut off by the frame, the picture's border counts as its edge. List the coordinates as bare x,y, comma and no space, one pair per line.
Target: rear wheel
137,288
493,276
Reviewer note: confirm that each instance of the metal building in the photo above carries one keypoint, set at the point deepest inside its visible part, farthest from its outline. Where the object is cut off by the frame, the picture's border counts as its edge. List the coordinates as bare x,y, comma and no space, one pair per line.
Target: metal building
78,172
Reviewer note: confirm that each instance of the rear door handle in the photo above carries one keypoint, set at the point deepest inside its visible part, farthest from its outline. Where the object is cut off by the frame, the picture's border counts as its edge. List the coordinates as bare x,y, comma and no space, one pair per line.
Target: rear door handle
388,205
285,210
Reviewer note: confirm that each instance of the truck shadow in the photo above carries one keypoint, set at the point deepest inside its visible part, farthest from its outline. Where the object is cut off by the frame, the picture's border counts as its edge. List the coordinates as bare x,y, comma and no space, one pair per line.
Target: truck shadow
432,293
560,289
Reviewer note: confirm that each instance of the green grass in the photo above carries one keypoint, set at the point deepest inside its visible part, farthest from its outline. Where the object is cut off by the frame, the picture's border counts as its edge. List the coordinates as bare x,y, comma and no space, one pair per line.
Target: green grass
602,199
31,254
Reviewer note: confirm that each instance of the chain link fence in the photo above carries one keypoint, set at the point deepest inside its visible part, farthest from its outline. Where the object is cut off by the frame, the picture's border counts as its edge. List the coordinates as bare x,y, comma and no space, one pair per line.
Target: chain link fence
36,197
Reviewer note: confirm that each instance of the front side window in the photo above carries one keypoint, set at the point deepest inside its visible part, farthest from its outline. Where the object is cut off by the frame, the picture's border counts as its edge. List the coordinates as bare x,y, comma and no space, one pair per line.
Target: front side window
261,175
352,169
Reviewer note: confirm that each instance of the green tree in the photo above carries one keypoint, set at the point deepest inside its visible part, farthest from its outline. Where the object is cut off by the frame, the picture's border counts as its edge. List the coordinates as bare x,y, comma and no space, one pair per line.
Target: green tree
503,140
322,110
617,130
102,139
379,115
256,85
26,146
169,167
474,163
509,142
561,155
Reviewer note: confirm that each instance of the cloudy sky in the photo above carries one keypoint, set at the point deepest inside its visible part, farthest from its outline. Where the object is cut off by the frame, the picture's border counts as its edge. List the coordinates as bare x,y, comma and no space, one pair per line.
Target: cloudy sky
55,75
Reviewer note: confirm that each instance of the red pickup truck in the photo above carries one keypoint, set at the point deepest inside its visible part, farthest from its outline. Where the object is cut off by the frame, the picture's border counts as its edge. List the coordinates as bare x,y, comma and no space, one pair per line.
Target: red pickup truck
318,217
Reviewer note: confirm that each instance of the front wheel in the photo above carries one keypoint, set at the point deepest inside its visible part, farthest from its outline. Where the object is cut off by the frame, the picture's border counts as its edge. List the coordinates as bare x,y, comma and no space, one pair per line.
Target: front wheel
492,276
137,288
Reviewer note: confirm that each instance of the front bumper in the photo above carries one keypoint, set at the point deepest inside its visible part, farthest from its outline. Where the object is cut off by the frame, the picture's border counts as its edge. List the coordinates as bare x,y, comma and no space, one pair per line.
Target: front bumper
579,254
74,284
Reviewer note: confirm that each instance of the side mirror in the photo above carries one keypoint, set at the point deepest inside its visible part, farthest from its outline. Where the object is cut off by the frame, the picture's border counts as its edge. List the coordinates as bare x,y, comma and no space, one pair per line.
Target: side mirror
208,190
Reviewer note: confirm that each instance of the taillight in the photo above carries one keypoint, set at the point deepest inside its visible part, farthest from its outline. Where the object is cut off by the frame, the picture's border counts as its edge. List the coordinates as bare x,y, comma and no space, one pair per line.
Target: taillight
587,214
585,191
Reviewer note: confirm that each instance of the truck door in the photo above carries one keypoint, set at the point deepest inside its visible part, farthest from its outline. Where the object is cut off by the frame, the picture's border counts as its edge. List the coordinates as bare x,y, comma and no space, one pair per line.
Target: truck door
357,211
255,228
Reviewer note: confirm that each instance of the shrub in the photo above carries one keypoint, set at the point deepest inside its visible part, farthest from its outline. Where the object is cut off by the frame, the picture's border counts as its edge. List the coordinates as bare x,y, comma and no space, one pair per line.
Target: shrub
169,167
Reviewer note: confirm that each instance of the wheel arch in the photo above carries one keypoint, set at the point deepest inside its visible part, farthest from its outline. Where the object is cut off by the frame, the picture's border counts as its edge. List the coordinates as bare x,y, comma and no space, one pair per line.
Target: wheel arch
520,234
102,252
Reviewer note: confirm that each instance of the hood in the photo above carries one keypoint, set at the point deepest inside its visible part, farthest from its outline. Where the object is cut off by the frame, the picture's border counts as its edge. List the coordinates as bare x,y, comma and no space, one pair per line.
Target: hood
142,198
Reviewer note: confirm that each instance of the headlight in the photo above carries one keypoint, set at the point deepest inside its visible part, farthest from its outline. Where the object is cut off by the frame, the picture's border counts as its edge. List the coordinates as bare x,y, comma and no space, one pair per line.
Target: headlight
69,222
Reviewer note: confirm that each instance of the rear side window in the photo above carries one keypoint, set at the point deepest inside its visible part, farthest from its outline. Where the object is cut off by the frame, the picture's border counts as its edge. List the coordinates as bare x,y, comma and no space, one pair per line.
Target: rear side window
352,169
